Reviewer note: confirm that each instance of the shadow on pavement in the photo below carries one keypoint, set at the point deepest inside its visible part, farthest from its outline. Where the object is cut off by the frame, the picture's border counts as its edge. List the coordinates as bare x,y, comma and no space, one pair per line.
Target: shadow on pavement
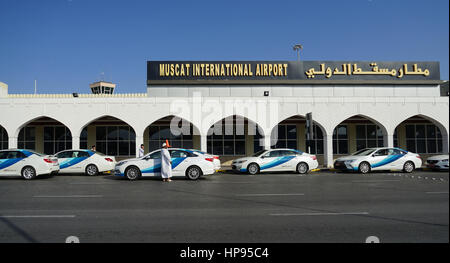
18,230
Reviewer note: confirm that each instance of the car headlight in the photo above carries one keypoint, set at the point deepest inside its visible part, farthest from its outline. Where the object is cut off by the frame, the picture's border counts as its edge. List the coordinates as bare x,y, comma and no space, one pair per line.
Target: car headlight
349,161
445,160
243,161
120,164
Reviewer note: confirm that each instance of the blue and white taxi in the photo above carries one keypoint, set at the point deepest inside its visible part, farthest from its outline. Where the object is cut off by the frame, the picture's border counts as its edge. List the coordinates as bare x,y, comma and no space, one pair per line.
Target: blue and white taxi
372,159
184,163
276,160
438,162
84,161
216,161
26,163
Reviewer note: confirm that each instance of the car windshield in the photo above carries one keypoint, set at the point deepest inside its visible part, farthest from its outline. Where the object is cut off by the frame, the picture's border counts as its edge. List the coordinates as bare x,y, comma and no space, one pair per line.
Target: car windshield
364,152
38,154
259,153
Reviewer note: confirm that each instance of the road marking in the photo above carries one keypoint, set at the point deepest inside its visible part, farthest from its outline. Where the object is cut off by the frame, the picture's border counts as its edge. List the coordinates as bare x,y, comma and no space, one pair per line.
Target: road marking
68,196
87,183
38,216
436,193
230,182
374,181
321,214
268,194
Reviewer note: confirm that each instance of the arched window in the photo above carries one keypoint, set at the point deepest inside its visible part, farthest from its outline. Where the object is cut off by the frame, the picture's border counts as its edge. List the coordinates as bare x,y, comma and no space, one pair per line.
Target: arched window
423,138
316,145
3,138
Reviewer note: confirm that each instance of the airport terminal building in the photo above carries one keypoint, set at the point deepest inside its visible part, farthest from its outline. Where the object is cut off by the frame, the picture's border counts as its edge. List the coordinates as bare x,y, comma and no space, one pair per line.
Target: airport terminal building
236,108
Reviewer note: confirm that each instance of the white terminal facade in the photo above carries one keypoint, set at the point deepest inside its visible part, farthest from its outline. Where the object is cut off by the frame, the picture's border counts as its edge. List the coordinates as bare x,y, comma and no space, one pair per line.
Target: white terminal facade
348,114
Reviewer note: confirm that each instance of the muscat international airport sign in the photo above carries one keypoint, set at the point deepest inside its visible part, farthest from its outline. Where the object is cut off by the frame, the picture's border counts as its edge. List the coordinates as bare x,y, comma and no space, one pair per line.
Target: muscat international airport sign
159,72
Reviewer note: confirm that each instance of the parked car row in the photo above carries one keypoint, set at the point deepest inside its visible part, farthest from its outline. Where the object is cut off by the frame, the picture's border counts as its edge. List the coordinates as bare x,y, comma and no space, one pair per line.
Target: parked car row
193,163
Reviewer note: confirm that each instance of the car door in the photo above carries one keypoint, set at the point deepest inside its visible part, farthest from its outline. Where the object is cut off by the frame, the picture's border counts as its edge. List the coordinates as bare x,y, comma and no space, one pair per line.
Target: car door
79,161
151,165
379,160
288,161
65,160
180,162
4,164
270,161
12,163
396,160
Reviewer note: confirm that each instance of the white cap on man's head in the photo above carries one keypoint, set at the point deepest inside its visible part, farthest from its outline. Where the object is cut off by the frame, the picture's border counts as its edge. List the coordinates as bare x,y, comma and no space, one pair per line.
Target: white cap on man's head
164,145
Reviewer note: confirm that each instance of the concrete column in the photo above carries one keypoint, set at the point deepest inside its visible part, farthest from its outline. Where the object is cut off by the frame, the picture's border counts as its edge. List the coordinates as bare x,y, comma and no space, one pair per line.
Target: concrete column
203,143
388,140
267,142
139,141
328,151
76,142
12,142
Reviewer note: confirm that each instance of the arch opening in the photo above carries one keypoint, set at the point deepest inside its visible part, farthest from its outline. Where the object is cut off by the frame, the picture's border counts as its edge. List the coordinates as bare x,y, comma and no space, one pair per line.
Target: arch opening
234,136
421,135
178,131
110,136
45,135
291,133
356,133
4,139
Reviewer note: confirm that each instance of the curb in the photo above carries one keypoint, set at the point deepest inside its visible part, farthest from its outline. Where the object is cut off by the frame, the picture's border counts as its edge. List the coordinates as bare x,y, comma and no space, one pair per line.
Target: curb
323,170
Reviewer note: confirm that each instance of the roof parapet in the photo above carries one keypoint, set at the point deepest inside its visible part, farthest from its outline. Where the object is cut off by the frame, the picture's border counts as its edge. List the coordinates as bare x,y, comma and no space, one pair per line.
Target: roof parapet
51,96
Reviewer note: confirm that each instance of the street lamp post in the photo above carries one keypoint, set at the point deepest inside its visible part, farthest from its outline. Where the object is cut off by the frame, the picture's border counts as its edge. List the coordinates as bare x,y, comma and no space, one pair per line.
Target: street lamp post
297,48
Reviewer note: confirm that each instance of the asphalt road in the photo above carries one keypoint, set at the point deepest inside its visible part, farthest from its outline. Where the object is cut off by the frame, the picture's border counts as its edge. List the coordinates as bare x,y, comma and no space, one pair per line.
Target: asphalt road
317,207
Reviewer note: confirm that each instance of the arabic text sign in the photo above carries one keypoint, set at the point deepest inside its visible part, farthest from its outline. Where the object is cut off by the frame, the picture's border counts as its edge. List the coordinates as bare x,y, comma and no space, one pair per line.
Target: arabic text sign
291,70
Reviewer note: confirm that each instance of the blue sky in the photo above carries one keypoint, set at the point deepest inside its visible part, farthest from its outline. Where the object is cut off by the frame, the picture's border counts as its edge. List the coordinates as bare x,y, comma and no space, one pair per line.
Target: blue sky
67,44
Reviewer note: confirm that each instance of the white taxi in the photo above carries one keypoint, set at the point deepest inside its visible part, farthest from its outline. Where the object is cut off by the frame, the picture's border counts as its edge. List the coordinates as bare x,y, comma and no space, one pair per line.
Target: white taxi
184,163
84,161
372,159
26,163
438,162
216,161
276,160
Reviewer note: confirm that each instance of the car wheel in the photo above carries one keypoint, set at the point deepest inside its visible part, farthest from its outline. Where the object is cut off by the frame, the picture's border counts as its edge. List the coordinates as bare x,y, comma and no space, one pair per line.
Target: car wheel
132,173
91,170
364,167
28,173
302,168
253,168
193,173
408,167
